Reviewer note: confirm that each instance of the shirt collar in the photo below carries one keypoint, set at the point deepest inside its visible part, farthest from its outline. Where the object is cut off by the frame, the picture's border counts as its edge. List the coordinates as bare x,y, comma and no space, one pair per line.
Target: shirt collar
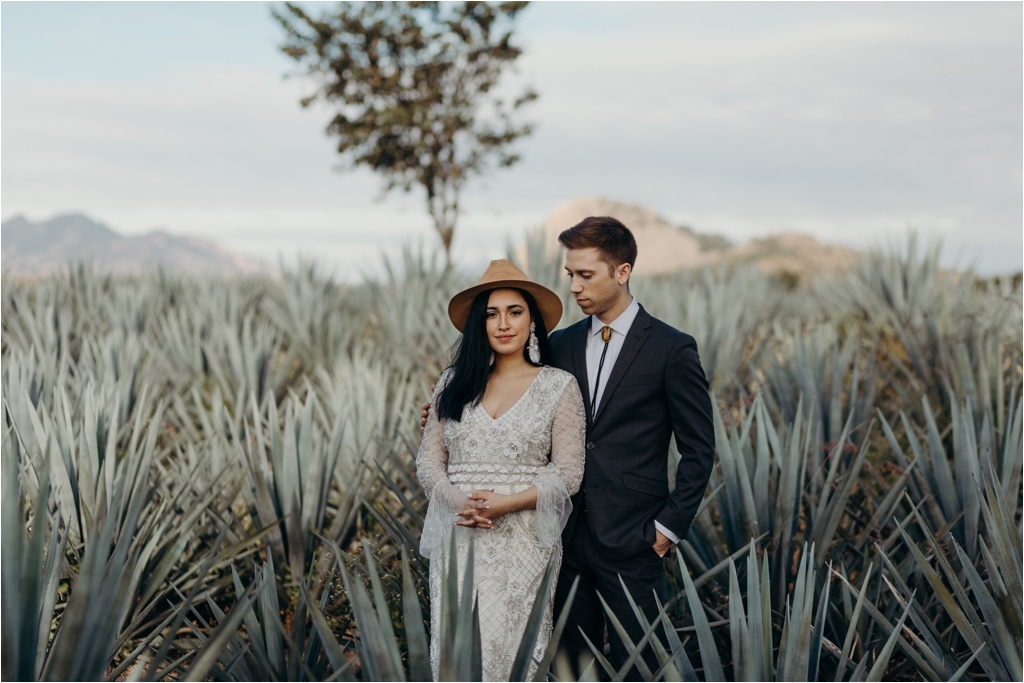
620,324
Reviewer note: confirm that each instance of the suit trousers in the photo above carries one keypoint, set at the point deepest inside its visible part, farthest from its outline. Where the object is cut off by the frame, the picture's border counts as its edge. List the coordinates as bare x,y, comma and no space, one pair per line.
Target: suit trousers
644,576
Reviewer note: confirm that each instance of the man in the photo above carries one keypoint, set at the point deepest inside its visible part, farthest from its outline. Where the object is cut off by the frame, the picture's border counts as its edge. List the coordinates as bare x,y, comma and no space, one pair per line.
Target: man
642,383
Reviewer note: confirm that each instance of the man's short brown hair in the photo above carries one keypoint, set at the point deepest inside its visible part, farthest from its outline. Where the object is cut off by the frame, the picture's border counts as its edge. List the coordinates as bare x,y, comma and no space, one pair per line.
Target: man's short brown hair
606,234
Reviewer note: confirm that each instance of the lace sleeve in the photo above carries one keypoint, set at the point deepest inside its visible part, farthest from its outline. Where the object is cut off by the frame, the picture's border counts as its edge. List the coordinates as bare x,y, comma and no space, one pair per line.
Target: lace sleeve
561,478
432,469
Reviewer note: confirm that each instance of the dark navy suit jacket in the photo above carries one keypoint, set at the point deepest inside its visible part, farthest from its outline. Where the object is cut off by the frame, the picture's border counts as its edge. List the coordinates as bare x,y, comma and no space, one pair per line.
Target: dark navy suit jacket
657,388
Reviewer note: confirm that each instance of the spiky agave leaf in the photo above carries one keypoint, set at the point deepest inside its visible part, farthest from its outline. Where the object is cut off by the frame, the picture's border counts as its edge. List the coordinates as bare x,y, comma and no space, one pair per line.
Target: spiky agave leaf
531,634
708,649
28,594
878,668
377,656
415,633
556,634
794,666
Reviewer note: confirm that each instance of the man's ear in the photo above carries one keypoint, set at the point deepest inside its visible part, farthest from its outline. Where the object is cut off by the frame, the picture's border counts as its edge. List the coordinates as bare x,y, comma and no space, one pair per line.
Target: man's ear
624,271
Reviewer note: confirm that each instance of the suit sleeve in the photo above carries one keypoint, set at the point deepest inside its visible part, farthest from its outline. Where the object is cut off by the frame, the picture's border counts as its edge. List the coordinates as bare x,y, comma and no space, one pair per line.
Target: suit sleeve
689,405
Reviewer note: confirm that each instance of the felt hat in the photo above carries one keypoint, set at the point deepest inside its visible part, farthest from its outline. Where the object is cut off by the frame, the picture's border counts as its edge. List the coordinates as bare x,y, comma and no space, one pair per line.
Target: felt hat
500,274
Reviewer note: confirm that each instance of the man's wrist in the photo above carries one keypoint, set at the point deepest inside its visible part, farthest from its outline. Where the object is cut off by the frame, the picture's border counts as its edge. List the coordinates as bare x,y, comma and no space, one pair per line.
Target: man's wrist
666,532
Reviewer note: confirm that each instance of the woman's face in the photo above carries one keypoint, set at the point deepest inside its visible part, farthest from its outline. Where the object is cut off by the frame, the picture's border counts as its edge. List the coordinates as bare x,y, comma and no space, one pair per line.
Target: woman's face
508,321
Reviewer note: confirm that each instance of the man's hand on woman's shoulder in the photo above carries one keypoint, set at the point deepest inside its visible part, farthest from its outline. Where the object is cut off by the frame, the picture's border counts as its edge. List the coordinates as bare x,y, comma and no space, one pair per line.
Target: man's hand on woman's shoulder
426,410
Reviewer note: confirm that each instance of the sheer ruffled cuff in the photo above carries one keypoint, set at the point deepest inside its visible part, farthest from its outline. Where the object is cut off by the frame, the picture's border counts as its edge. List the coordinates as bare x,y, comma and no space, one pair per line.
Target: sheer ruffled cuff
441,516
553,505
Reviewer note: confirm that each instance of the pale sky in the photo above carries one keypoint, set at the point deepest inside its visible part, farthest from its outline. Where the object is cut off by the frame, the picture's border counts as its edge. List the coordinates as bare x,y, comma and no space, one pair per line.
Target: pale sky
849,122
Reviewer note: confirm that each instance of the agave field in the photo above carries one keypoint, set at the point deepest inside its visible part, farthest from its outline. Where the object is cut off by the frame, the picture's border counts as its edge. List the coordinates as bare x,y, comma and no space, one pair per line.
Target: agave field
208,479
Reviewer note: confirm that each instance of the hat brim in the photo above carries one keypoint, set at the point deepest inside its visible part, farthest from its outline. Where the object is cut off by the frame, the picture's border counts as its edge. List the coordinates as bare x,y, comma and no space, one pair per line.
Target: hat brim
549,303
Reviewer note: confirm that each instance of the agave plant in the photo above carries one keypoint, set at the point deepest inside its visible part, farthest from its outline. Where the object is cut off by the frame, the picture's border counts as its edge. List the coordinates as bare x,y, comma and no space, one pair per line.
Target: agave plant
128,548
203,477
704,303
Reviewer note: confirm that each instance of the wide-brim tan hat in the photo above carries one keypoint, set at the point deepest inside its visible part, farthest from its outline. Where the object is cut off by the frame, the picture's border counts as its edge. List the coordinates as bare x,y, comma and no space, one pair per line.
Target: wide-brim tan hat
503,273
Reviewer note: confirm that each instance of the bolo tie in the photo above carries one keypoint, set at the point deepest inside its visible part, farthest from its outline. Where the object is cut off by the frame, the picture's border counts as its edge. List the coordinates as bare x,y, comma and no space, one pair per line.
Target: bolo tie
606,336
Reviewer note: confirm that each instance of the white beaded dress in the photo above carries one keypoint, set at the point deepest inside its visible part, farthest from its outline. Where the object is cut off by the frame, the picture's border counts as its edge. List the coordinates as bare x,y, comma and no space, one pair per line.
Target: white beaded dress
539,442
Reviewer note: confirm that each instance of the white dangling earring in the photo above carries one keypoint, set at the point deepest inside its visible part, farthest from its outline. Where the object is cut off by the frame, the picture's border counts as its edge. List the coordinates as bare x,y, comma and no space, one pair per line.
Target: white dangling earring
492,358
534,347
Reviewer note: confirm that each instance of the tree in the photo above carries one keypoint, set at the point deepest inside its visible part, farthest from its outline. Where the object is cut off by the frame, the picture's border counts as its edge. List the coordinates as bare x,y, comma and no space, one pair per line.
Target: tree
414,85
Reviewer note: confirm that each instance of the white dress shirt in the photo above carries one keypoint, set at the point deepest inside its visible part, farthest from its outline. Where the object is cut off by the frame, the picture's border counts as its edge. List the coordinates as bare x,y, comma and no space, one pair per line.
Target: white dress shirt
595,346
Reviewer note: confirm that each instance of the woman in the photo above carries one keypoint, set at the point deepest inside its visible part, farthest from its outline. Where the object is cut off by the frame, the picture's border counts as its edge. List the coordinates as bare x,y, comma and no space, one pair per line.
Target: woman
502,451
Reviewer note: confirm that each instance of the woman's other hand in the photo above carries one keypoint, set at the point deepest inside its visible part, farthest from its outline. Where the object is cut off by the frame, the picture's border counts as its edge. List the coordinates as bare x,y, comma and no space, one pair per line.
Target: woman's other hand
472,515
484,506
491,505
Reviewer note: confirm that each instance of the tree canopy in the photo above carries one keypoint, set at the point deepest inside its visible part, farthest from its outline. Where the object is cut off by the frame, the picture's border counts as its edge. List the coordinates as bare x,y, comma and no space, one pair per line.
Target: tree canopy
414,86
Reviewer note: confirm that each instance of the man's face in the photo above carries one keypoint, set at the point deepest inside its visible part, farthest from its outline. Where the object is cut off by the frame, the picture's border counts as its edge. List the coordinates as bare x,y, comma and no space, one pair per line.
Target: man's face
596,286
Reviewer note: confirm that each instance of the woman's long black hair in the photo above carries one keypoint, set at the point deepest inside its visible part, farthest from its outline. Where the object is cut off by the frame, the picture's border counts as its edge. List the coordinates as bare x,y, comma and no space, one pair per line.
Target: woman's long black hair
471,356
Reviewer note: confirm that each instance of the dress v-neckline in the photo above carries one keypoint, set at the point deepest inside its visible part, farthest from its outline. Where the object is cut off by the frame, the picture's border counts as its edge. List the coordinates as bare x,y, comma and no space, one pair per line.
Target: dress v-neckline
513,406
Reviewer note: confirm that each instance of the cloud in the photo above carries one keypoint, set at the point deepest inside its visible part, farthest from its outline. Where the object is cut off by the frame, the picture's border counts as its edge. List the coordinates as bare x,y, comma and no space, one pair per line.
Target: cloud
886,118
849,122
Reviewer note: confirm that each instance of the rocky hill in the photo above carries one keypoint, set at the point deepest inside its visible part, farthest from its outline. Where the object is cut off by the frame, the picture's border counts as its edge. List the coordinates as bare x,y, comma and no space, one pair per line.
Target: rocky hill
35,249
664,248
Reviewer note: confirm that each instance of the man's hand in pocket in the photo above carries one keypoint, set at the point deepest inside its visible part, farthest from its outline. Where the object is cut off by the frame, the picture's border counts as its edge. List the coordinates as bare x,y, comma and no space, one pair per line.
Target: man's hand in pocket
662,544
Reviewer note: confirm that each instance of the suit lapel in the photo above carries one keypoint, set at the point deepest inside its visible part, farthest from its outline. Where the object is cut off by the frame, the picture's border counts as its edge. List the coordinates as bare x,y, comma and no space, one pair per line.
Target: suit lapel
638,333
579,360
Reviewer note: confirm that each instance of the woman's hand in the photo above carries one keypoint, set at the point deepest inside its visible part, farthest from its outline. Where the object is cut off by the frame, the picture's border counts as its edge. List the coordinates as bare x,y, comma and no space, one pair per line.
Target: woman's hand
491,505
484,506
472,517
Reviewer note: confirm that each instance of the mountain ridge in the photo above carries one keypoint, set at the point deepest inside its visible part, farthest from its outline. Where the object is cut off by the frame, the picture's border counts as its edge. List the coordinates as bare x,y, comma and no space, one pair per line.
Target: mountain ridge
42,248
665,248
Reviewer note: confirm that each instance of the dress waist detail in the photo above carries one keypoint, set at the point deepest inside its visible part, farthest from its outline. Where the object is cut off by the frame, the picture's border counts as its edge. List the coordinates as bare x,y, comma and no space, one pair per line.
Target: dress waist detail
479,472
